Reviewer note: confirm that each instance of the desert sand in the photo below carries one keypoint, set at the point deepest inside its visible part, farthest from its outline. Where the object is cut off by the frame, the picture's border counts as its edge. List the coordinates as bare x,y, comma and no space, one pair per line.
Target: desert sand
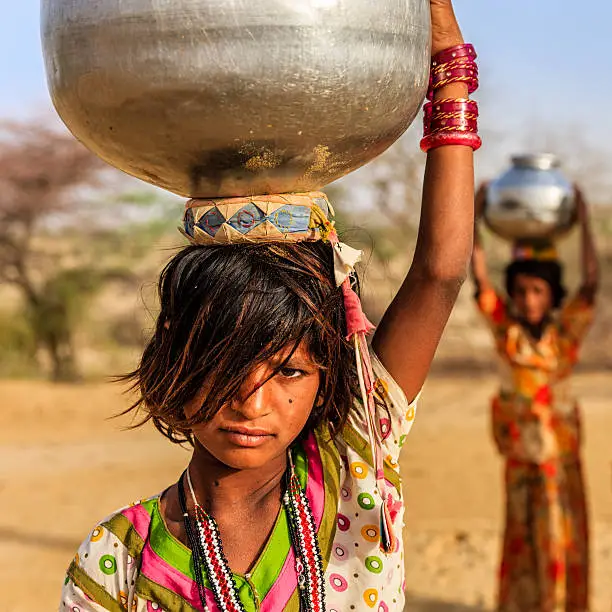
64,465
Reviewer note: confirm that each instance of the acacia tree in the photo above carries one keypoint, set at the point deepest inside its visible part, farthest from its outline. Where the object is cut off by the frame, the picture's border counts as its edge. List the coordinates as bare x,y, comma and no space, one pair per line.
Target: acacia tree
42,171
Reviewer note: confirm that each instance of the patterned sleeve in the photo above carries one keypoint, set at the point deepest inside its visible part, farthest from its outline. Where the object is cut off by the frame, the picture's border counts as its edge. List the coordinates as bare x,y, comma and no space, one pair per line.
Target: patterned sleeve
394,412
577,317
101,575
493,308
575,320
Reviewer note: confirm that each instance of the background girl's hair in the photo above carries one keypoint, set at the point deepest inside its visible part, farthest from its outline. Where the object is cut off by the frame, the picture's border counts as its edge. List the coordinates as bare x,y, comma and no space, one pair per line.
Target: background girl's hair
549,271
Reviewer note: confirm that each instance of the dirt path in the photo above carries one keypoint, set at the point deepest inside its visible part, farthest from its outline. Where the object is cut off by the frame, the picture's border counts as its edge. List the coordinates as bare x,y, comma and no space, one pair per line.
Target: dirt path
63,466
453,486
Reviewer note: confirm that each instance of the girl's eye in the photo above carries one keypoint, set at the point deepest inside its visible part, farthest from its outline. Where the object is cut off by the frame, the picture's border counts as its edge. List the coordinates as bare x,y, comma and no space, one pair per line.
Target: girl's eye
291,373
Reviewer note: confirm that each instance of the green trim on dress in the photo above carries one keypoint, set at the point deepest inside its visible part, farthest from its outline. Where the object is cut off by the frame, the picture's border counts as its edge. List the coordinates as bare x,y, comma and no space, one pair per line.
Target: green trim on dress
93,590
121,527
330,458
151,591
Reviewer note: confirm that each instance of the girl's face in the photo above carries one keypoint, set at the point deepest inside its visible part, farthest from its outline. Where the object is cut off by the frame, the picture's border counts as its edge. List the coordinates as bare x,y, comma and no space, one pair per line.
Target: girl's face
264,419
532,298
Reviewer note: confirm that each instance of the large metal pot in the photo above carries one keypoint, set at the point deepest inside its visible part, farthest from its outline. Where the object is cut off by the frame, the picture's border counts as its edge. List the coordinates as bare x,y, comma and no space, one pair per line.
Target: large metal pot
531,201
237,97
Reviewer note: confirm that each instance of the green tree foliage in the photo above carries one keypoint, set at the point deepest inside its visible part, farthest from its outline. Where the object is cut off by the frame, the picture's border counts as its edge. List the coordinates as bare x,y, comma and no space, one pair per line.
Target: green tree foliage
58,245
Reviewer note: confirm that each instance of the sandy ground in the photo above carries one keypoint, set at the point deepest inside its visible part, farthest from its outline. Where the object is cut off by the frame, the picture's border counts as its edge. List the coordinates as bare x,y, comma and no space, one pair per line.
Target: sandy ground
63,466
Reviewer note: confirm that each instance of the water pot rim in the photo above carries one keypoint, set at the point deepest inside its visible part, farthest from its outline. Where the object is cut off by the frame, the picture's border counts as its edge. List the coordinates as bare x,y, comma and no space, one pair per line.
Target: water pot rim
536,161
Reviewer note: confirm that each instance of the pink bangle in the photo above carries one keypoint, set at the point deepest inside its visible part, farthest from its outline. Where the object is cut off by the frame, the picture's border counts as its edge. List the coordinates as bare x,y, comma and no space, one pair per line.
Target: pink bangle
452,121
454,65
458,114
450,114
471,82
448,55
446,105
443,139
447,74
455,126
450,105
455,76
444,119
464,63
460,122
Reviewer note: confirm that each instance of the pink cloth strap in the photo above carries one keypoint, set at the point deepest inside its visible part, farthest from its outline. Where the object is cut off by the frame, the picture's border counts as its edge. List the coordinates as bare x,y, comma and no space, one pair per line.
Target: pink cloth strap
356,320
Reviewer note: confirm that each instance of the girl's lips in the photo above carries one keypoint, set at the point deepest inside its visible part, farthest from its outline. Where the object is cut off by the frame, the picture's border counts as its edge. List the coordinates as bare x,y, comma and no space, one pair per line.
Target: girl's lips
246,437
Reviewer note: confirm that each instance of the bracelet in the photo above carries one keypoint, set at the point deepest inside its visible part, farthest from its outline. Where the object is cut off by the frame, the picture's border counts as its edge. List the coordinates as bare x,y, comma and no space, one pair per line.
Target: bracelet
456,126
452,121
460,123
452,53
471,82
468,75
443,139
465,63
447,74
449,105
454,65
452,104
449,114
442,118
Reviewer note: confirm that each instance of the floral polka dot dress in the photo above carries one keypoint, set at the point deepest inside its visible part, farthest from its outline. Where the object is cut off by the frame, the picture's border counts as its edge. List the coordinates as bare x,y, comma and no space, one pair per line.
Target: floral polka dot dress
132,563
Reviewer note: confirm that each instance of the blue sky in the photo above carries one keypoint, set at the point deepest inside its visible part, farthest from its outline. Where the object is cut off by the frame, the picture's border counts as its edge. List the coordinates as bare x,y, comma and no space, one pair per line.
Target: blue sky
545,82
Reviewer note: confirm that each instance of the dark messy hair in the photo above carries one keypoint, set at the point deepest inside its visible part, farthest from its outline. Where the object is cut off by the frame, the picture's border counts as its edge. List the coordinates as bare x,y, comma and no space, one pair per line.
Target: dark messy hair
226,309
549,271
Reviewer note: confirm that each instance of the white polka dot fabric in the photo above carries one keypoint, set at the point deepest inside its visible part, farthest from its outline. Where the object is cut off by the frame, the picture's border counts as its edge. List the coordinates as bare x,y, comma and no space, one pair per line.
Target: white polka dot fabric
359,576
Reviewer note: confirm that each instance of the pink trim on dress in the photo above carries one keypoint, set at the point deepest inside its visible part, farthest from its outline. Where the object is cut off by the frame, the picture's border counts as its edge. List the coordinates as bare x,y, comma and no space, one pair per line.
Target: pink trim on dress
286,583
161,572
315,490
140,519
283,587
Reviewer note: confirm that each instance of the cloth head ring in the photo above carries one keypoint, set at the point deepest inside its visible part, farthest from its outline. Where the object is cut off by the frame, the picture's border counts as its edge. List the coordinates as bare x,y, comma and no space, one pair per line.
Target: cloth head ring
292,217
539,251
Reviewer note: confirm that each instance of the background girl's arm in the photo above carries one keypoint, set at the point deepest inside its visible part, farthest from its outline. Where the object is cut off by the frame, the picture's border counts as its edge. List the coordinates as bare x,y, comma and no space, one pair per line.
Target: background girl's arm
590,260
480,273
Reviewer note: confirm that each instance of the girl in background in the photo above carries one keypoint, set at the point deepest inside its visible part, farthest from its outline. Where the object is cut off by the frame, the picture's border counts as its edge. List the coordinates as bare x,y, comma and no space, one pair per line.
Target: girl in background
536,422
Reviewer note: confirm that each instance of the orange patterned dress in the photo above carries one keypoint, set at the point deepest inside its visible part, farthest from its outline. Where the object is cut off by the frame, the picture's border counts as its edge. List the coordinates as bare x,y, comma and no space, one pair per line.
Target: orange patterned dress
536,427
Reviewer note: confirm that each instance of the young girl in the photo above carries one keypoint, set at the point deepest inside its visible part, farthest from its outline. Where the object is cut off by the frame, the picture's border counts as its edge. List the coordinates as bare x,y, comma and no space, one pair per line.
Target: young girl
292,498
536,424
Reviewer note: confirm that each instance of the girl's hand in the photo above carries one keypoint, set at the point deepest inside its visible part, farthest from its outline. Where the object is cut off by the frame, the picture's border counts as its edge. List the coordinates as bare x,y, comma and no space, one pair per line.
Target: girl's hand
582,212
480,201
590,259
445,31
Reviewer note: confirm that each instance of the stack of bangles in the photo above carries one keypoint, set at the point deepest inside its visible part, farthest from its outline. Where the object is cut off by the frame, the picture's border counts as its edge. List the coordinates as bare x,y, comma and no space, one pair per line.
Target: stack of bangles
452,121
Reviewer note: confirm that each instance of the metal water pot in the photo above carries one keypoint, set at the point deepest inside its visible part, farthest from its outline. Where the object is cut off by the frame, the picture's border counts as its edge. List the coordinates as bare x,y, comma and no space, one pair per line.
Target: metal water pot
531,201
210,98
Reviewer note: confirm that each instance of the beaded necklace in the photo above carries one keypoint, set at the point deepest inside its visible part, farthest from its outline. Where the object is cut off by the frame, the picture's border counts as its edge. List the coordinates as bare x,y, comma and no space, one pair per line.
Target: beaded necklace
208,556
